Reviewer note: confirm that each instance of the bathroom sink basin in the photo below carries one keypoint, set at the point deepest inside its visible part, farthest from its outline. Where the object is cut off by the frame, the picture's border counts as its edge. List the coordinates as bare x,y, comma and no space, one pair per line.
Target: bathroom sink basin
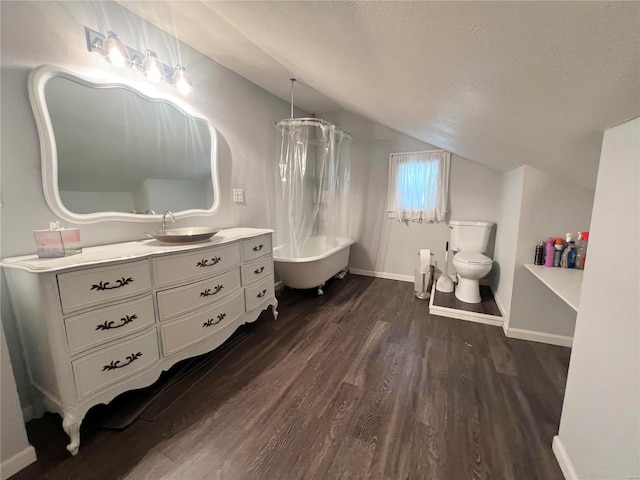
184,235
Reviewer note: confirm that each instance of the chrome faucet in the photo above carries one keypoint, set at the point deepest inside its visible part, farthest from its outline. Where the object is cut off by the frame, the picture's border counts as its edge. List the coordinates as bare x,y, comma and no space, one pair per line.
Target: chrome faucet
164,219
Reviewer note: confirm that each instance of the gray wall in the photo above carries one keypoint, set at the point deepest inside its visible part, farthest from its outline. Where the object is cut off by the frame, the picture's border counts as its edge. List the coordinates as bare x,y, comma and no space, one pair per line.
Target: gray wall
385,245
13,437
52,33
599,428
36,33
507,237
550,207
537,206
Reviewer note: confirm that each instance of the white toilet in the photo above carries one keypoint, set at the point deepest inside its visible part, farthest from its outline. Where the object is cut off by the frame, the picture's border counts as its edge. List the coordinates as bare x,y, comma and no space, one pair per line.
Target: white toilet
468,240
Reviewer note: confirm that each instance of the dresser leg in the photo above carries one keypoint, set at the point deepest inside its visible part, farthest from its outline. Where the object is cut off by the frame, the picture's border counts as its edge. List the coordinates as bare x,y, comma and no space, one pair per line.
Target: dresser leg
72,428
274,308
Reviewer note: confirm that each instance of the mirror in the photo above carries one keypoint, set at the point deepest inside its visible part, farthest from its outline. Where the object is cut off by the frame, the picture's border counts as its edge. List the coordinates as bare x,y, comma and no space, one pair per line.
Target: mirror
111,152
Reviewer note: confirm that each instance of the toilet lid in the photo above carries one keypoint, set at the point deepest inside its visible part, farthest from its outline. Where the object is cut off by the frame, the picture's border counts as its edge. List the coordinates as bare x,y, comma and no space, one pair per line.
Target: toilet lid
472,258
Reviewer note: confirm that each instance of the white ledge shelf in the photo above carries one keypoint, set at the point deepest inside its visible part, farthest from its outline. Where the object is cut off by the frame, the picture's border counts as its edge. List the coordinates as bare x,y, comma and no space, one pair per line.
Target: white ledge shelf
564,282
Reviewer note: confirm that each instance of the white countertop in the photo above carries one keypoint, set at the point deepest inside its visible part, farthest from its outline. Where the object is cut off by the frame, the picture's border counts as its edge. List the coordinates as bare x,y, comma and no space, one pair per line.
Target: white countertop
124,251
564,282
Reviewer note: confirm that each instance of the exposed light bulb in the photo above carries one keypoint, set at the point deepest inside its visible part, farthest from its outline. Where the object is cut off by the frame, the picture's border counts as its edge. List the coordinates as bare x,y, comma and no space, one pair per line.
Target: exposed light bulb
182,80
152,67
114,50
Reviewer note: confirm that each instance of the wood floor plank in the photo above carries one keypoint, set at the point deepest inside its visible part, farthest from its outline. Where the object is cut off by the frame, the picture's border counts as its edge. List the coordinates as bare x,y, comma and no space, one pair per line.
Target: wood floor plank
357,371
352,461
360,382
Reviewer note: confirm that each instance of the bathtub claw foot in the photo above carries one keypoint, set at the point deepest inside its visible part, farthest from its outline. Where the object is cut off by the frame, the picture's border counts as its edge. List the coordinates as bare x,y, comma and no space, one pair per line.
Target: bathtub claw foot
341,274
320,291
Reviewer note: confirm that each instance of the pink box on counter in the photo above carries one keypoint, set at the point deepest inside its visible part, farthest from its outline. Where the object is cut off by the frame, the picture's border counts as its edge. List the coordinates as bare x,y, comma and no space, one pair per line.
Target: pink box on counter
57,243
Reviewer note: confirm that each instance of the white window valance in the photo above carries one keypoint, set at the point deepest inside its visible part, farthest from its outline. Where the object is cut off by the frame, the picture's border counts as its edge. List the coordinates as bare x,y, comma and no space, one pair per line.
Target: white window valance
419,186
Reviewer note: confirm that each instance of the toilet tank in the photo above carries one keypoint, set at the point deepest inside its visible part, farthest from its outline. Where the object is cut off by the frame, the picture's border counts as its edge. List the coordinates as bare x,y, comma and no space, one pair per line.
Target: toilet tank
469,235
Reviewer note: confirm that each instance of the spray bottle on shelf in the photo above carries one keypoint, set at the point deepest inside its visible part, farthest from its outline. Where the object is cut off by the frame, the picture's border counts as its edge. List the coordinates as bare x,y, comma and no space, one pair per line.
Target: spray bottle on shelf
581,253
568,238
568,259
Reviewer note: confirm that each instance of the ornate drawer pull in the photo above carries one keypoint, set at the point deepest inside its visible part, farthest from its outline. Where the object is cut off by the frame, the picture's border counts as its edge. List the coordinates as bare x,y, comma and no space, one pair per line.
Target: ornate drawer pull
116,363
100,286
258,271
108,325
211,291
261,294
205,262
257,248
210,322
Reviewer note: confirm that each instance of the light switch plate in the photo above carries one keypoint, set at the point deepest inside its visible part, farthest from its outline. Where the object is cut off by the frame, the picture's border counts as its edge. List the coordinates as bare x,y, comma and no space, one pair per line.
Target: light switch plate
238,195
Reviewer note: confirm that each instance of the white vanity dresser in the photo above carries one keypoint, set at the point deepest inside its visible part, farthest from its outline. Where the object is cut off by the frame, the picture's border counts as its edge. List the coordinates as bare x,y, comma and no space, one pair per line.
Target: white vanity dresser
111,319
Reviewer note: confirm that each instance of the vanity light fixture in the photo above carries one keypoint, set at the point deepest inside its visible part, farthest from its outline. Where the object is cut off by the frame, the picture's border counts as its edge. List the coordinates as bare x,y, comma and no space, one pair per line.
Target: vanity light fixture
182,80
114,50
152,67
120,55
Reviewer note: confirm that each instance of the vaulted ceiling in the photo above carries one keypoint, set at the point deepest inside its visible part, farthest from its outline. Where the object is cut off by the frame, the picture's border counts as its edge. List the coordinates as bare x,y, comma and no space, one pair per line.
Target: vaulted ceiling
500,83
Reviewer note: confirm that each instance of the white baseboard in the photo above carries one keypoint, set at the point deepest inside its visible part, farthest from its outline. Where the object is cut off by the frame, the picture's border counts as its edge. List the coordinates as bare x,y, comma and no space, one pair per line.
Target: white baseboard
461,314
531,335
21,460
540,337
27,413
464,315
505,317
500,305
563,460
518,333
388,276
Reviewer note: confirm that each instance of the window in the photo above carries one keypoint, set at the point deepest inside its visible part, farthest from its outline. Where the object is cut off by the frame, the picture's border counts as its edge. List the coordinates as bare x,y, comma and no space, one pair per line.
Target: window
419,186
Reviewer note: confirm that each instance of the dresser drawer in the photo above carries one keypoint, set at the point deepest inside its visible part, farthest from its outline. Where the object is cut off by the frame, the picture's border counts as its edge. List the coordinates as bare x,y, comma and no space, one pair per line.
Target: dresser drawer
116,363
256,247
255,294
257,270
183,333
194,265
179,300
93,286
99,326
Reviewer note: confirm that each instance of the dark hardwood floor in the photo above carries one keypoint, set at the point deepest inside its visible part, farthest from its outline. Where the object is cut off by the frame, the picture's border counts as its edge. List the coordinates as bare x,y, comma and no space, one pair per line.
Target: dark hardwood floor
358,383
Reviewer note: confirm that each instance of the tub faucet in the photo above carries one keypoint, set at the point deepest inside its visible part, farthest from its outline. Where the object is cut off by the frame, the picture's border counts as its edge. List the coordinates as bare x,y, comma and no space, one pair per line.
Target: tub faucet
164,219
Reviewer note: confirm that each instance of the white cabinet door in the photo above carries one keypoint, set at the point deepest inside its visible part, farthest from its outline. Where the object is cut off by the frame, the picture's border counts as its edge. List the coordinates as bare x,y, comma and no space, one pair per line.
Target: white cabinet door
190,330
256,247
108,323
255,271
94,286
174,302
185,267
113,364
255,294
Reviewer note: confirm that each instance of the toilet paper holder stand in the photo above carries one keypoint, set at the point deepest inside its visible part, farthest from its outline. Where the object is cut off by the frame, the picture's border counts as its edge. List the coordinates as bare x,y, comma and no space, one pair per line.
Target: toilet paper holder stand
422,281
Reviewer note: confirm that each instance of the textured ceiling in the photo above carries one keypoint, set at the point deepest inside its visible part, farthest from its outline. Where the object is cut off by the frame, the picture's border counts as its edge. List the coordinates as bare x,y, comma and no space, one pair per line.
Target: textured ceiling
500,83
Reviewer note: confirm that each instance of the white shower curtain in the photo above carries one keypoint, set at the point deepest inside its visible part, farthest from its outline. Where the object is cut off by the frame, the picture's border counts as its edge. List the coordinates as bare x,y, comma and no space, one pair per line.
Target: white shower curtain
313,185
419,186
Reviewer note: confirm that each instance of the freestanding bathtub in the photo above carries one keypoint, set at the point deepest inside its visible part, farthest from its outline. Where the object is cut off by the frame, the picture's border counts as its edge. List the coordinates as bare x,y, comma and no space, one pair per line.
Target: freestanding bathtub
321,259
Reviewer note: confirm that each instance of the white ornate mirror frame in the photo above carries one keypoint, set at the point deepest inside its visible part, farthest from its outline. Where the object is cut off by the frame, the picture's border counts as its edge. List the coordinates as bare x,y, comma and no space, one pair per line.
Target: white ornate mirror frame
37,81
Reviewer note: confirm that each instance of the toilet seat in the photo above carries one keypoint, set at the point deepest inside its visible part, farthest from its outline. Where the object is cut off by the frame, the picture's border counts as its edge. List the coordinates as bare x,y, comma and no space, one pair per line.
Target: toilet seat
472,258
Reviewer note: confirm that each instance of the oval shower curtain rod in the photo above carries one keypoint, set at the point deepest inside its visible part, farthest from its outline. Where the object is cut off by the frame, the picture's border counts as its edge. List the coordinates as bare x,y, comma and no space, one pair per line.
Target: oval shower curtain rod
311,122
306,121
